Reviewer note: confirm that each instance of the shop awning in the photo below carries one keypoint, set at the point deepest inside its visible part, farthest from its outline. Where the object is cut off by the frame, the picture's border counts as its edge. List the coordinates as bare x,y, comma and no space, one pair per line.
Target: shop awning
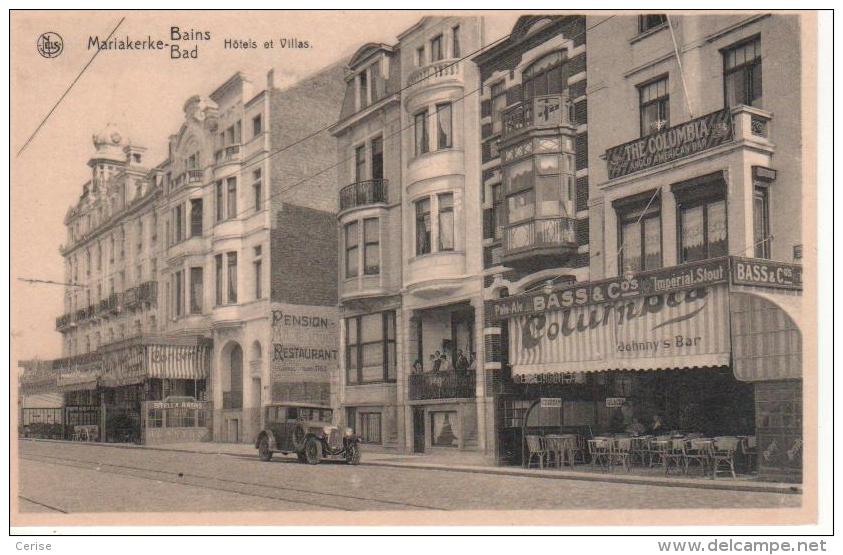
180,358
677,329
767,342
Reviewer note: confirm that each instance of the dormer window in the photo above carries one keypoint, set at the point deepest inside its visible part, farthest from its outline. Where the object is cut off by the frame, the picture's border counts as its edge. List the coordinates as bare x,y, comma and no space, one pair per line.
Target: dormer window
363,89
420,60
436,49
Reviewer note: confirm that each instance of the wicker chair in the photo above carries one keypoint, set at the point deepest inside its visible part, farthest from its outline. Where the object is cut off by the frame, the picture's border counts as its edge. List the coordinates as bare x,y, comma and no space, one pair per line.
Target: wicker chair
536,448
598,450
723,453
698,450
619,452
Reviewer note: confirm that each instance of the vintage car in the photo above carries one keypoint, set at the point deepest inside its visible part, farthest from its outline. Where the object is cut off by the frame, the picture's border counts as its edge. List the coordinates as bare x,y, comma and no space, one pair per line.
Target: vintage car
307,431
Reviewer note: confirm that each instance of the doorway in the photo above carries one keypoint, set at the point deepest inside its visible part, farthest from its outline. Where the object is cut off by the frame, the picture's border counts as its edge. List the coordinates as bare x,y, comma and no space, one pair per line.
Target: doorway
418,430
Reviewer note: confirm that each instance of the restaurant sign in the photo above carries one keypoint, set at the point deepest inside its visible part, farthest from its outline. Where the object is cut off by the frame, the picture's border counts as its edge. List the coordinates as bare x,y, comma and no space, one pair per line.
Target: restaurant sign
615,402
676,329
551,402
671,144
766,273
620,288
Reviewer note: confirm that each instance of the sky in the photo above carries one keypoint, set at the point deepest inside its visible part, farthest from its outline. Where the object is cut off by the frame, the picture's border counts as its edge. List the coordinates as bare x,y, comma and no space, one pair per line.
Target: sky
143,92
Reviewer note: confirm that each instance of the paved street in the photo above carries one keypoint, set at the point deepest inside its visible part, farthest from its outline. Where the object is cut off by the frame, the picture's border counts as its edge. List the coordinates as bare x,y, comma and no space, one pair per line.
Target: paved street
66,477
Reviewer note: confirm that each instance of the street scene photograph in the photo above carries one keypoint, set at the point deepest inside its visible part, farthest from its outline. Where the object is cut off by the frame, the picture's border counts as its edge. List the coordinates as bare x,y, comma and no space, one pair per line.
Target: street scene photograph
269,265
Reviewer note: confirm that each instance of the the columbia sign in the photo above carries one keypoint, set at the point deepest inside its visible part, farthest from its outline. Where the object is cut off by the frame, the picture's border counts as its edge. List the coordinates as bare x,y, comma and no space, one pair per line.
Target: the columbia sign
671,144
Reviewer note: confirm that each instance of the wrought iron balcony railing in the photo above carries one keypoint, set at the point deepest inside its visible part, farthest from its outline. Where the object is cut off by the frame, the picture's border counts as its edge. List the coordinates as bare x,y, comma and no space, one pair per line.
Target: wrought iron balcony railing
541,111
363,193
442,385
539,233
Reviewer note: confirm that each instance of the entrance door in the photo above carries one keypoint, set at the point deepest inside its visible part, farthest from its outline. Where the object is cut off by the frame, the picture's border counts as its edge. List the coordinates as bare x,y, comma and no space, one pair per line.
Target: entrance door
418,429
234,430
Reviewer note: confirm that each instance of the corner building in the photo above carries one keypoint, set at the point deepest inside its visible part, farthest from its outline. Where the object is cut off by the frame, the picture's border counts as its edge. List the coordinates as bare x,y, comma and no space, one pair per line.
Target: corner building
692,303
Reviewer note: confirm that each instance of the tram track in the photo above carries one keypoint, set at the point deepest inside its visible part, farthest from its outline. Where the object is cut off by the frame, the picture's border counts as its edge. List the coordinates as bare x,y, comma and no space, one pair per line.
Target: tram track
288,494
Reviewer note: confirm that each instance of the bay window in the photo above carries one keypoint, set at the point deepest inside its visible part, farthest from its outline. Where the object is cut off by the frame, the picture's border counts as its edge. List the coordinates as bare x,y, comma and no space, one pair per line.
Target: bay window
196,290
371,247
444,127
231,200
498,106
232,277
446,222
423,226
545,76
436,49
218,277
351,250
422,145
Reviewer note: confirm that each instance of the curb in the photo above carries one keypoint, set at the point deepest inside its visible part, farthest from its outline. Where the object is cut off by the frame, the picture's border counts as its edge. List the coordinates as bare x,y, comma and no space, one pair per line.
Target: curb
766,487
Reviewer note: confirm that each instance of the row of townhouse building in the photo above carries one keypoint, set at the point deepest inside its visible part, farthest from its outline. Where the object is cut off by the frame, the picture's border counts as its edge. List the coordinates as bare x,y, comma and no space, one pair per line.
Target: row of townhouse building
590,224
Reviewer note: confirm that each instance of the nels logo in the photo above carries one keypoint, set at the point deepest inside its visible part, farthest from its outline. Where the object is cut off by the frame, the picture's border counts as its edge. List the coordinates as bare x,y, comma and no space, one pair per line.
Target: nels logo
50,44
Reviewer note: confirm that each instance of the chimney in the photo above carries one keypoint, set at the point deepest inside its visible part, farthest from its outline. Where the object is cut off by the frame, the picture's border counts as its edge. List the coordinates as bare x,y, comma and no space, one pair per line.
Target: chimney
270,79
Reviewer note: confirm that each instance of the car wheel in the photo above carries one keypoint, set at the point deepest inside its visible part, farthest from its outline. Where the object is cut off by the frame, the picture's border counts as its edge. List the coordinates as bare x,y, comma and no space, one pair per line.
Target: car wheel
352,454
264,451
312,450
300,456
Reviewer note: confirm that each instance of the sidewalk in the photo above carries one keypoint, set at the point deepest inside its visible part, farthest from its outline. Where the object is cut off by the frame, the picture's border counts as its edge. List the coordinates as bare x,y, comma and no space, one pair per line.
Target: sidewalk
476,463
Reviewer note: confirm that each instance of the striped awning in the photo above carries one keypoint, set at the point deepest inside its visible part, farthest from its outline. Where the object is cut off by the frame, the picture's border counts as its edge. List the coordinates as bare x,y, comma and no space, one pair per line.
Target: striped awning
186,358
767,342
679,329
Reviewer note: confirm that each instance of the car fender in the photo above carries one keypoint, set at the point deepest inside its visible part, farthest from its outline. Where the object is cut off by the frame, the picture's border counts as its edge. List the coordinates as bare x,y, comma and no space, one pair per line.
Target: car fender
270,436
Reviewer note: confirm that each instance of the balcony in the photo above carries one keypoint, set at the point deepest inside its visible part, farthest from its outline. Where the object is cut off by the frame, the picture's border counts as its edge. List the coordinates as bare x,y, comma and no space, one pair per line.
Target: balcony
145,293
232,400
437,72
195,176
364,193
85,314
442,385
541,112
540,242
231,153
111,304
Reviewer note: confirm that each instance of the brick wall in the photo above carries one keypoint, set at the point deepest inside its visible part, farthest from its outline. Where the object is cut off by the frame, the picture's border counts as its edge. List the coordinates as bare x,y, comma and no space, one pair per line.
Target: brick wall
304,256
303,172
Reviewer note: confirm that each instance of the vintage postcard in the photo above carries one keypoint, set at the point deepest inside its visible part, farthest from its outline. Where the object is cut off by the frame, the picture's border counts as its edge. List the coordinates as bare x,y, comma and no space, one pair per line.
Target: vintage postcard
413,267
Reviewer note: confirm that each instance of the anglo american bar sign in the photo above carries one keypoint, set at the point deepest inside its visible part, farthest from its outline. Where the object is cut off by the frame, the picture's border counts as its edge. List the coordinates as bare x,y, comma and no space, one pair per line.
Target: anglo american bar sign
671,144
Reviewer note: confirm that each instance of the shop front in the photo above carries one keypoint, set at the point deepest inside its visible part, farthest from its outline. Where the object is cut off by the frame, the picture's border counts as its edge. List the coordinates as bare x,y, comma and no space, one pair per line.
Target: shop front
646,354
144,384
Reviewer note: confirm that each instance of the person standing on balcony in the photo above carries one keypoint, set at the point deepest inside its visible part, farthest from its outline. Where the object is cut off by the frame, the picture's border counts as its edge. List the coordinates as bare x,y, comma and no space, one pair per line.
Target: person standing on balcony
446,365
435,362
461,364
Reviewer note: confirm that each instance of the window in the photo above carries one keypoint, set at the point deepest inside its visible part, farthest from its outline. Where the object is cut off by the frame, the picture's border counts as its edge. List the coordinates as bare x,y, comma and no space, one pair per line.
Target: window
363,88
422,143
139,273
545,76
218,286
444,134
522,206
371,247
742,74
370,427
196,217
377,158
178,223
420,61
761,221
423,226
497,209
231,201
455,41
359,163
446,222
178,293
351,250
498,106
232,277
436,49
257,187
702,219
370,348
218,197
140,236
196,290
99,256
256,125
654,106
258,272
639,237
650,21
